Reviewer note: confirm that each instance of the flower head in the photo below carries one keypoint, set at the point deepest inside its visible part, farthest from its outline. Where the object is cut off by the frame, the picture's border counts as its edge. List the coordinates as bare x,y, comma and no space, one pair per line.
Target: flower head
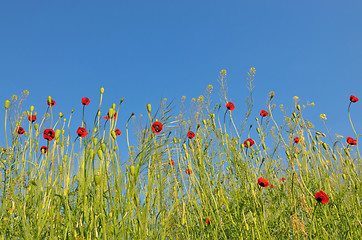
264,113
321,197
52,103
353,99
190,134
114,117
323,116
282,179
271,186
32,118
207,221
82,132
230,106
251,142
20,131
351,141
172,163
296,140
49,134
188,171
43,149
118,132
157,127
85,101
263,182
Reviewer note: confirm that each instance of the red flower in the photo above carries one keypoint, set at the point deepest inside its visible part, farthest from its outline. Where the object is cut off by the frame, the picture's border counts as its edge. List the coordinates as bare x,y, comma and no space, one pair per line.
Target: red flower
351,141
157,127
283,179
172,163
207,221
264,113
114,117
191,134
82,132
20,131
51,104
353,98
188,171
251,142
49,134
85,101
43,149
263,182
230,106
271,186
32,118
118,132
296,140
321,197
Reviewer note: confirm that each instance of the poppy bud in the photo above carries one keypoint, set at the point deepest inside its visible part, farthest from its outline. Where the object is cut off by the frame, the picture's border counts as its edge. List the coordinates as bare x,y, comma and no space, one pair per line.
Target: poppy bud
31,108
325,146
36,126
99,113
95,130
97,179
334,156
184,146
264,147
57,134
91,154
122,99
114,106
113,135
258,130
36,113
100,154
316,138
132,169
272,94
187,155
65,158
314,142
103,147
174,140
148,107
102,90
111,113
7,104
61,114
287,152
28,113
256,119
26,134
298,107
95,141
295,155
294,115
204,121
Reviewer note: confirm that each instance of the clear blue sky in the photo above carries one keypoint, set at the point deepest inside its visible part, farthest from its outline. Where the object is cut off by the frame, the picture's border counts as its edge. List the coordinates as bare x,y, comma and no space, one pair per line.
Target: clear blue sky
148,50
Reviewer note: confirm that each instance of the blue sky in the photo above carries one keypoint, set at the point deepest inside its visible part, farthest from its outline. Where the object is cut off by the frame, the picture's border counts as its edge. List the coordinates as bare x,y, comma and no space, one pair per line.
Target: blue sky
148,50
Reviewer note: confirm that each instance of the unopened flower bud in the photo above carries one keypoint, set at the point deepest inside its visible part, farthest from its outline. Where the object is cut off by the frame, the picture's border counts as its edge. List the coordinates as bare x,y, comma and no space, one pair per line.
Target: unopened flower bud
114,106
111,113
7,104
31,108
103,147
149,107
102,90
36,126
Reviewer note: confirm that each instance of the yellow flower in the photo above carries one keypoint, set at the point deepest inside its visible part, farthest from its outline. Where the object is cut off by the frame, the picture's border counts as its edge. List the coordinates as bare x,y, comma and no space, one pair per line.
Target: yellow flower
252,69
211,87
223,71
323,116
295,98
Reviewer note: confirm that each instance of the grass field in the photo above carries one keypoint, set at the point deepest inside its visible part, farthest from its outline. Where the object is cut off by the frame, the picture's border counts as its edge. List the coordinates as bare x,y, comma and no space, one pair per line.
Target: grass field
197,177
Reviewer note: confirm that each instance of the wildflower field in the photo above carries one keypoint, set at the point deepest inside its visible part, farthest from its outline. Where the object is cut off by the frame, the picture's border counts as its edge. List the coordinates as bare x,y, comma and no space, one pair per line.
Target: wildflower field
201,173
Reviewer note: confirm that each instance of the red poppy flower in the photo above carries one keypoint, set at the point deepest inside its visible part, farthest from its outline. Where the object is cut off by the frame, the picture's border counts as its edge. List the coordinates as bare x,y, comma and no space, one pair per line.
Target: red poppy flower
251,142
263,182
271,186
85,101
172,163
118,132
191,134
82,132
283,179
353,99
230,106
32,118
51,104
43,149
20,131
188,171
296,140
114,117
49,134
321,197
207,221
157,127
264,113
351,141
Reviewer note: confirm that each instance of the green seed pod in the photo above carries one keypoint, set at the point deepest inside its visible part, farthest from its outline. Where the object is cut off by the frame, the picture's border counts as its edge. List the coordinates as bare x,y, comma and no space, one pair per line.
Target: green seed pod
57,134
257,119
133,170
190,145
174,140
295,155
187,155
100,154
97,179
294,115
148,107
111,113
114,106
103,147
314,142
113,134
31,108
264,147
314,148
65,158
334,156
287,152
91,153
184,146
204,121
7,104
298,107
36,126
325,146
102,90
99,113
95,130
179,141
26,134
258,130
317,138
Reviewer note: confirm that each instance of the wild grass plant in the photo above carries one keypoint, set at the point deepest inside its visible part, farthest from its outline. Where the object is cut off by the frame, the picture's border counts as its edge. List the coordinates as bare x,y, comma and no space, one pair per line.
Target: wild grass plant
190,175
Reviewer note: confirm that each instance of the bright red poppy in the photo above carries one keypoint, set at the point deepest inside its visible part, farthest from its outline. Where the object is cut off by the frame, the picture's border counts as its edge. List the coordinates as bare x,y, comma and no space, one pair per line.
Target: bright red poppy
263,182
32,118
351,141
157,127
207,221
82,132
43,149
188,171
230,106
191,134
172,163
296,140
271,186
52,103
251,142
114,117
283,179
264,113
49,134
20,131
321,197
118,132
85,101
353,99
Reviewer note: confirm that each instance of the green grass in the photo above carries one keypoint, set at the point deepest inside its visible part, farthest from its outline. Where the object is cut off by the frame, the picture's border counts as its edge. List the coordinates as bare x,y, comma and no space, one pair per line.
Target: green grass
81,189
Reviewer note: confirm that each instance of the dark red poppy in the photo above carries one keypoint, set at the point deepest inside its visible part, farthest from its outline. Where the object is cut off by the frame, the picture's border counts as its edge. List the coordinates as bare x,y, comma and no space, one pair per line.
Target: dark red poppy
188,171
271,186
191,134
20,131
82,132
85,101
296,140
52,103
321,197
207,221
172,163
157,127
251,142
32,118
283,179
263,182
230,106
49,134
114,117
264,113
351,141
43,149
118,132
353,99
